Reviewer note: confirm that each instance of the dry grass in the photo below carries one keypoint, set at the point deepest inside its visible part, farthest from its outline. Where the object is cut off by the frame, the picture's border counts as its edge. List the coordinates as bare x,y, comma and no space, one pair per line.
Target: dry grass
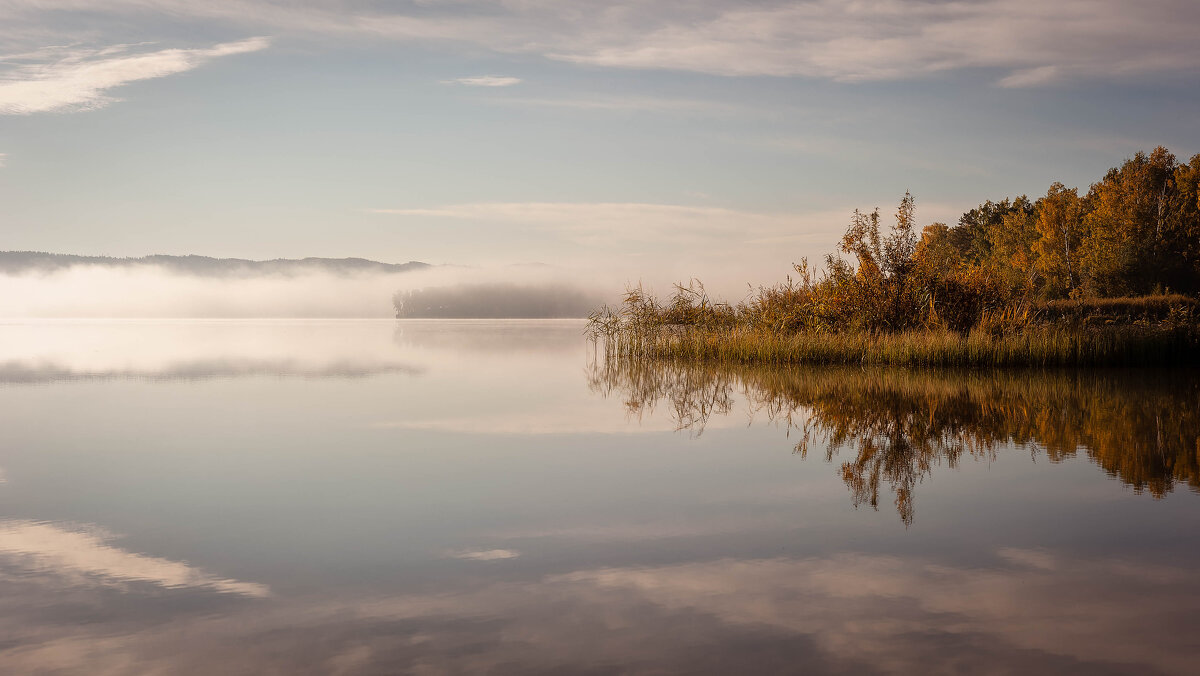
1119,310
1150,330
1043,346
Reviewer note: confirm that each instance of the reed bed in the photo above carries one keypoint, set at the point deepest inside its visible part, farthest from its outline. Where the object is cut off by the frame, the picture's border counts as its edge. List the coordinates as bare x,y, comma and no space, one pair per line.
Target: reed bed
1046,345
1102,310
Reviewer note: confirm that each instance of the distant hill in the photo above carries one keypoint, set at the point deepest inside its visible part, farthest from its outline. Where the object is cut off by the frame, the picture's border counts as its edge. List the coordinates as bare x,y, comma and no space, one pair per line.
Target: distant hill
18,262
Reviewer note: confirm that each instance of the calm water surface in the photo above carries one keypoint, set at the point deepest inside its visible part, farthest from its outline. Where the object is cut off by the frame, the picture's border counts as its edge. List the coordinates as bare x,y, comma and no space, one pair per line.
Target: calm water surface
467,497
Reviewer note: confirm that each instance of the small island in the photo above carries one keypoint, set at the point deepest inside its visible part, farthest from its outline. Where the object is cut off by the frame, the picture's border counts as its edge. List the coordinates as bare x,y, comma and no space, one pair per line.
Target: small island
1109,277
494,301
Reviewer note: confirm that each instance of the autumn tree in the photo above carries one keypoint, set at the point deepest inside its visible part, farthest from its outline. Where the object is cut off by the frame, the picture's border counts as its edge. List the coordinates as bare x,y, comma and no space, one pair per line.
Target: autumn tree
1059,226
1183,256
877,293
1131,226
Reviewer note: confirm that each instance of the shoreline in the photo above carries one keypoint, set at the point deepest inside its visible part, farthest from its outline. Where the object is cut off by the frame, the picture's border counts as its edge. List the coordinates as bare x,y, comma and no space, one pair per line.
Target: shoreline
1039,346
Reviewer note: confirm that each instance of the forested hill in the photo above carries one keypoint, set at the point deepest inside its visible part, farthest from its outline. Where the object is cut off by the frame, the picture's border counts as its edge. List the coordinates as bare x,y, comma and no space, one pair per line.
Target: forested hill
18,262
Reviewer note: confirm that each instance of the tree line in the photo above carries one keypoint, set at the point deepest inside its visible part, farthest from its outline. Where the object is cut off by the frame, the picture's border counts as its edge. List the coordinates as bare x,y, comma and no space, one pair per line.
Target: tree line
1111,276
1135,232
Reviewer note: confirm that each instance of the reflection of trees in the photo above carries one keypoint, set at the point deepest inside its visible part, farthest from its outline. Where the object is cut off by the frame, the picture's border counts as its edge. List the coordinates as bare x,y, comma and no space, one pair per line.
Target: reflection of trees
1142,427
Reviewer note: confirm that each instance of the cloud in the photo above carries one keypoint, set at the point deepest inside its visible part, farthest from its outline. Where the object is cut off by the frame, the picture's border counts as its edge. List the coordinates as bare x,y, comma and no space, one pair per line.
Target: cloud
1037,43
1030,77
1025,42
485,81
486,555
3,157
596,223
727,248
79,79
651,104
78,556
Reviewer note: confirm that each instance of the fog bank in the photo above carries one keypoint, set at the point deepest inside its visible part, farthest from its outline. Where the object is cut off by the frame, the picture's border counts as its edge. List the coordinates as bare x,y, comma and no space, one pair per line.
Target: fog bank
151,291
195,287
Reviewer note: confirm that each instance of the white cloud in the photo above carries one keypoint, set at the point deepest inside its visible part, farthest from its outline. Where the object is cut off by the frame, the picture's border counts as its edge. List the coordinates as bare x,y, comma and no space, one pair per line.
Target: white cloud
1026,42
485,81
3,158
486,555
651,104
79,79
727,248
1030,77
600,222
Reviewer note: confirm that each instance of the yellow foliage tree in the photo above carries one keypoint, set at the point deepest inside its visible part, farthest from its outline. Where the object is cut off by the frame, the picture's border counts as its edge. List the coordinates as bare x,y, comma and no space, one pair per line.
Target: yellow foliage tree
1059,226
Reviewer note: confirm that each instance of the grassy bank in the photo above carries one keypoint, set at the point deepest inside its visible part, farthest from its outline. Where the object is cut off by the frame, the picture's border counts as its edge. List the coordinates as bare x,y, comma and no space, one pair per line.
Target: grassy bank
1035,346
1140,331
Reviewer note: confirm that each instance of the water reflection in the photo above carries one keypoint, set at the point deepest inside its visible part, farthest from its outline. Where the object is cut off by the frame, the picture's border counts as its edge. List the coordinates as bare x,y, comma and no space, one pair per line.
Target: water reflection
1141,427
83,555
47,351
494,515
492,336
1026,612
15,373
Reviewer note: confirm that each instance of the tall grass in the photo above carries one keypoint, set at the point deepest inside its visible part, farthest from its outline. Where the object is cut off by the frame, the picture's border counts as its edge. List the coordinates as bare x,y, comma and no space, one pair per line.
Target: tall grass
1038,346
1112,310
690,327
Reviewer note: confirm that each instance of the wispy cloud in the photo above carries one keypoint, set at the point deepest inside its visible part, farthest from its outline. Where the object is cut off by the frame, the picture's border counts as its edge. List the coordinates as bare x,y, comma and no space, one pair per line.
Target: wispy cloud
81,555
3,159
486,555
600,222
1025,42
485,81
648,104
73,79
1030,77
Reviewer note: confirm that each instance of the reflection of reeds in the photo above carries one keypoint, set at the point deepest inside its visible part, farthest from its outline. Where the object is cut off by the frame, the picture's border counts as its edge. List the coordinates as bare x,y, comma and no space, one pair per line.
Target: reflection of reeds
1142,427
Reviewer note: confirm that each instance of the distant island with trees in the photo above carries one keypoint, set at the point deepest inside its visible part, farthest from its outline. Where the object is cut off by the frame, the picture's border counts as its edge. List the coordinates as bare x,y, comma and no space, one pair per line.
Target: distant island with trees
495,301
1107,277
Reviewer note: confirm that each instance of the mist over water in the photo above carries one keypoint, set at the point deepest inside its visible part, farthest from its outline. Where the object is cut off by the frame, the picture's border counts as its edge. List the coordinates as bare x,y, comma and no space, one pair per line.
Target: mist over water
80,287
149,291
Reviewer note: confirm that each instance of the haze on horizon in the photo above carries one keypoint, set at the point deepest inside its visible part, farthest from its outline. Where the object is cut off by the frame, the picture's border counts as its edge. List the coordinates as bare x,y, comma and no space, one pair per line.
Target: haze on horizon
624,141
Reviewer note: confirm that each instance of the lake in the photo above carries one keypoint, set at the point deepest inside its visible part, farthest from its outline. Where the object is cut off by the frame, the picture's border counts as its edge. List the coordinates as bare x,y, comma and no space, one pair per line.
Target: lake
380,497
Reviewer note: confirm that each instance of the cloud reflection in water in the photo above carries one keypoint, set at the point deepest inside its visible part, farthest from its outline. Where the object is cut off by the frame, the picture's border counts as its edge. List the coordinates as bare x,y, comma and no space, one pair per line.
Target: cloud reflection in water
83,555
848,613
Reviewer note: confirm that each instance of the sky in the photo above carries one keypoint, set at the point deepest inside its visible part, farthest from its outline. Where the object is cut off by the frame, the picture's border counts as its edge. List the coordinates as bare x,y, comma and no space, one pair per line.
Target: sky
633,139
